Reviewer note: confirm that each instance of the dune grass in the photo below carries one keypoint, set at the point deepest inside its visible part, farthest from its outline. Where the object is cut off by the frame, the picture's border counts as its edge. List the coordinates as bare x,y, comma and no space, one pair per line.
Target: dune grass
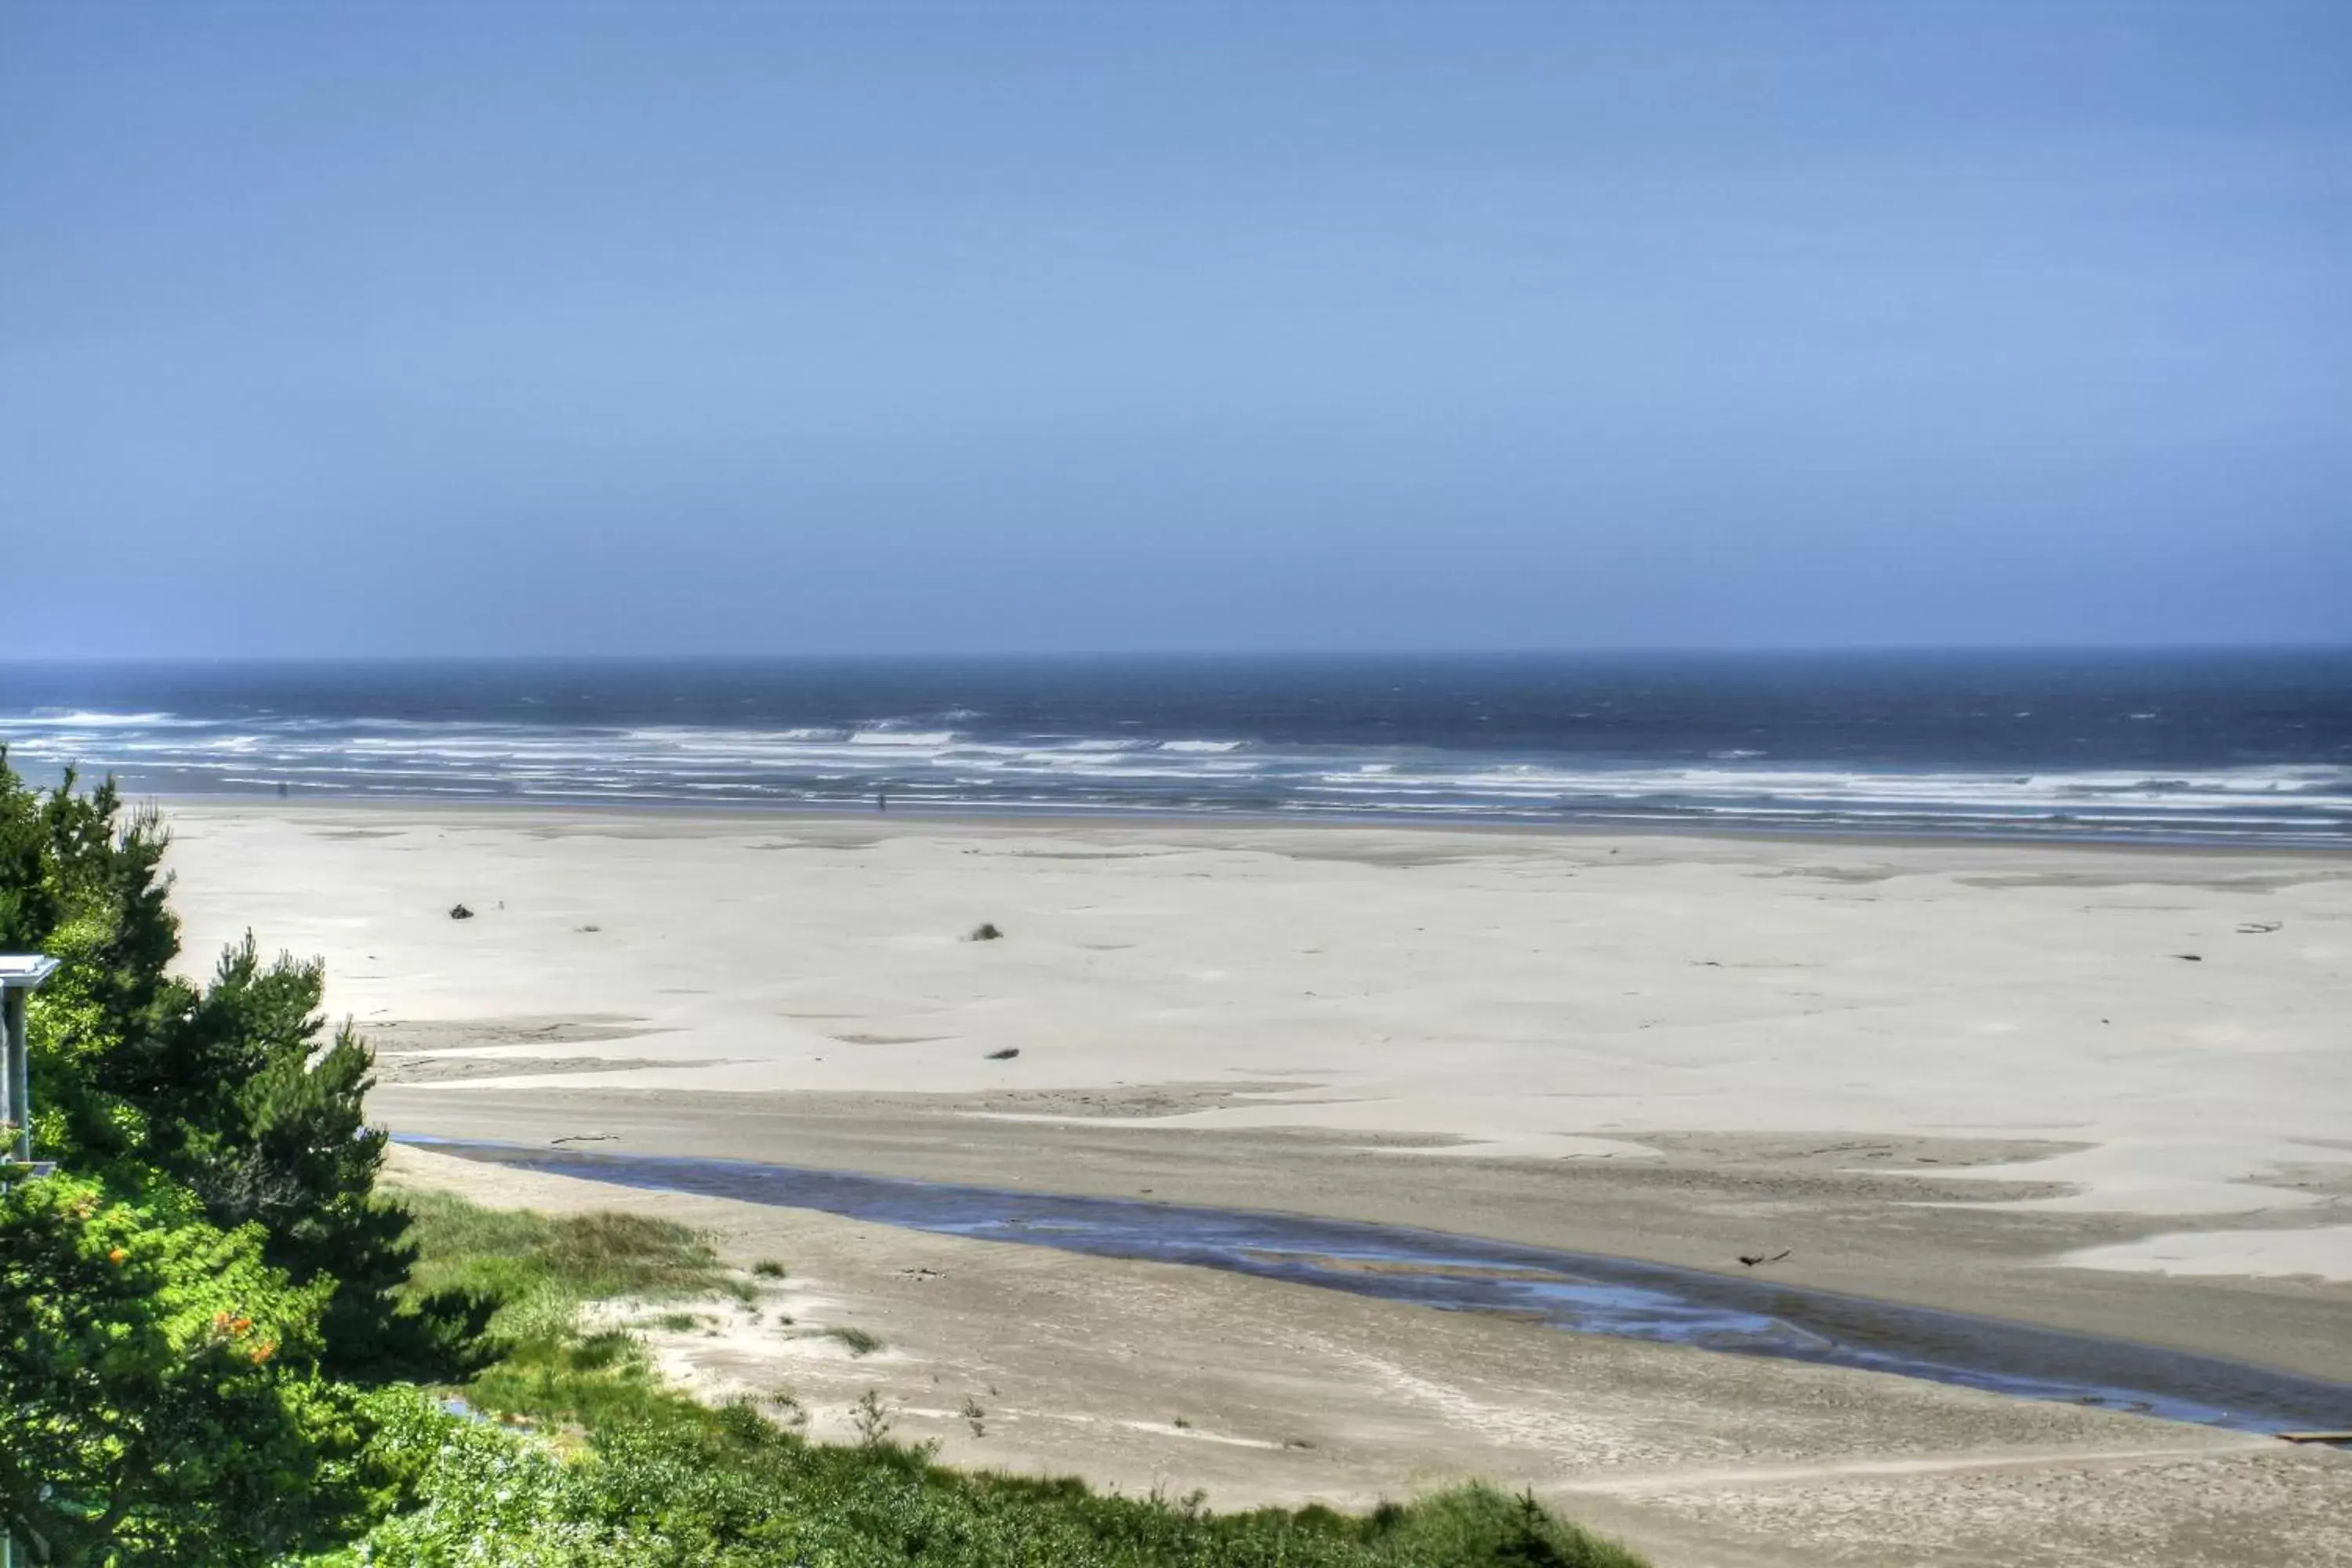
861,1341
541,1269
621,1468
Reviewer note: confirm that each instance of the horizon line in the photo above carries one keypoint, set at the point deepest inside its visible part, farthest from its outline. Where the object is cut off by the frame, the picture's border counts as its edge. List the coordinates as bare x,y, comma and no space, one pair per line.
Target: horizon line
1615,650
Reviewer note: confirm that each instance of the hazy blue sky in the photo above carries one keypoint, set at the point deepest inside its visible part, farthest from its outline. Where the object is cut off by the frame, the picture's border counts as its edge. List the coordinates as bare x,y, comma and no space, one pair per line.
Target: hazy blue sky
666,328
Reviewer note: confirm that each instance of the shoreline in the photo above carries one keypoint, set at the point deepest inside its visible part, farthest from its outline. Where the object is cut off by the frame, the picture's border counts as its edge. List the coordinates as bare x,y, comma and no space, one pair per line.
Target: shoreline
1063,815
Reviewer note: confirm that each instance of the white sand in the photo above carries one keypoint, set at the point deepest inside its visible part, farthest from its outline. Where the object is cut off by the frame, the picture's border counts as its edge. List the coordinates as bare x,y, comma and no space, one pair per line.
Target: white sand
2320,1250
1545,995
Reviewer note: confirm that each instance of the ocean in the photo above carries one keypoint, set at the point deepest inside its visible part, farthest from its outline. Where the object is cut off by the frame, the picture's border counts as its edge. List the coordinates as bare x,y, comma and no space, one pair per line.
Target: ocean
2242,747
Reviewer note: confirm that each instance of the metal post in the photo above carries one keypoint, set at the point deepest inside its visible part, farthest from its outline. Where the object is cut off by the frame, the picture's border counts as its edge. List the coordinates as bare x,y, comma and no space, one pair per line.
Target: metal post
21,975
20,1079
9,1114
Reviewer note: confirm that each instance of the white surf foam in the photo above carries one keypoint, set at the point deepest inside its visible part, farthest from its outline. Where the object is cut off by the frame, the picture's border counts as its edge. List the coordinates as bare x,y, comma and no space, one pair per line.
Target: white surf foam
902,738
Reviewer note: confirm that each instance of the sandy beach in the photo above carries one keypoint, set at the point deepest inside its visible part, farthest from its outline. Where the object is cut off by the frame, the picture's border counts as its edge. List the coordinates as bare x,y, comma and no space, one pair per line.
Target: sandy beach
2096,1088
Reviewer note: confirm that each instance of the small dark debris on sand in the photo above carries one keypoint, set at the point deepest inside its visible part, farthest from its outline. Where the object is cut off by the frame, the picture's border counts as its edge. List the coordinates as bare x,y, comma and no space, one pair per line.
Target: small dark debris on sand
984,932
1006,1055
460,912
2259,928
585,1138
1750,1259
2189,957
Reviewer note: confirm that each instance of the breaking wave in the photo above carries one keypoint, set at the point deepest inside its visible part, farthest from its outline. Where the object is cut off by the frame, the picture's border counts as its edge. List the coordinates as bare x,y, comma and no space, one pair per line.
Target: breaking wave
850,764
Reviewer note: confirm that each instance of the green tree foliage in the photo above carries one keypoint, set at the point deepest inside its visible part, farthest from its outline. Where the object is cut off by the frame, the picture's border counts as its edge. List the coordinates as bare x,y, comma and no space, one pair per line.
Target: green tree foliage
171,1310
159,1397
74,868
231,1091
283,1141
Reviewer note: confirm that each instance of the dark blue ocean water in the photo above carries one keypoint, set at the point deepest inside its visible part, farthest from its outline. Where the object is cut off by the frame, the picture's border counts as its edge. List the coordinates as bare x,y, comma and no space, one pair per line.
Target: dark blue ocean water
2216,747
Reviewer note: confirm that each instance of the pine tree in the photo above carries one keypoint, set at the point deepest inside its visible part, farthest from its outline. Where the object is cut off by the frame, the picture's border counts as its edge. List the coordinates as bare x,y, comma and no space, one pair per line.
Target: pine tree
232,1091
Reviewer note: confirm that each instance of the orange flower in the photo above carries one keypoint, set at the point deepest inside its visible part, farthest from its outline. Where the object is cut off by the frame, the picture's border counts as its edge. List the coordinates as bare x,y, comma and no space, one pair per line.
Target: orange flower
264,1351
117,1255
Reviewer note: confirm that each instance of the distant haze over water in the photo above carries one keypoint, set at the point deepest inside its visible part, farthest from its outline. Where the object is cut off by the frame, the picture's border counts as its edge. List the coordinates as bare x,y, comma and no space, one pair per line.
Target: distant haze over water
2217,747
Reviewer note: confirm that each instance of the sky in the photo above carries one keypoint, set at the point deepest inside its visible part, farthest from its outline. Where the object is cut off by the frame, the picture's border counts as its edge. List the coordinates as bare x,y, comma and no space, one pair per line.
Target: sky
511,327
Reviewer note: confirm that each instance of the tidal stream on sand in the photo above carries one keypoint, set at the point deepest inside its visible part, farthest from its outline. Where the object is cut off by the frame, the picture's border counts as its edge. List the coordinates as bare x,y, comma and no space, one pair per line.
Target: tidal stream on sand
1584,1292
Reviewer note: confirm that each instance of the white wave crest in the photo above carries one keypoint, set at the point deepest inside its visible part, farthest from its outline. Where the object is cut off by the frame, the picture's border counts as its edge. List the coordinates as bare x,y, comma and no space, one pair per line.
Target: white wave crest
79,720
903,738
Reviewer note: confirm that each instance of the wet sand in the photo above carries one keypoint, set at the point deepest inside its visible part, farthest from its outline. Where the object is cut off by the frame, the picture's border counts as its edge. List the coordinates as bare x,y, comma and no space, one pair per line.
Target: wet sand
1146,1375
1894,1230
2012,1081
1750,1314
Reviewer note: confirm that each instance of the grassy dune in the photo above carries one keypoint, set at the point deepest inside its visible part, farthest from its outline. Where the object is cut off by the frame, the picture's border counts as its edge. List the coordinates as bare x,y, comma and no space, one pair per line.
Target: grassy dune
572,1451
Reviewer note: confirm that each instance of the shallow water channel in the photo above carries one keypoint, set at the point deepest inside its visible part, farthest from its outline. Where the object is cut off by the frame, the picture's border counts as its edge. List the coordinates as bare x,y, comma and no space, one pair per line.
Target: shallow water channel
1582,1291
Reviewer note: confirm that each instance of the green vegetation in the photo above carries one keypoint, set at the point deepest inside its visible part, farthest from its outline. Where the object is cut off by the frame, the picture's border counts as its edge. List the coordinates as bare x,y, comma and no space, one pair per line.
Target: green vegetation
220,1345
729,1489
158,1396
178,1309
859,1341
615,1466
535,1272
